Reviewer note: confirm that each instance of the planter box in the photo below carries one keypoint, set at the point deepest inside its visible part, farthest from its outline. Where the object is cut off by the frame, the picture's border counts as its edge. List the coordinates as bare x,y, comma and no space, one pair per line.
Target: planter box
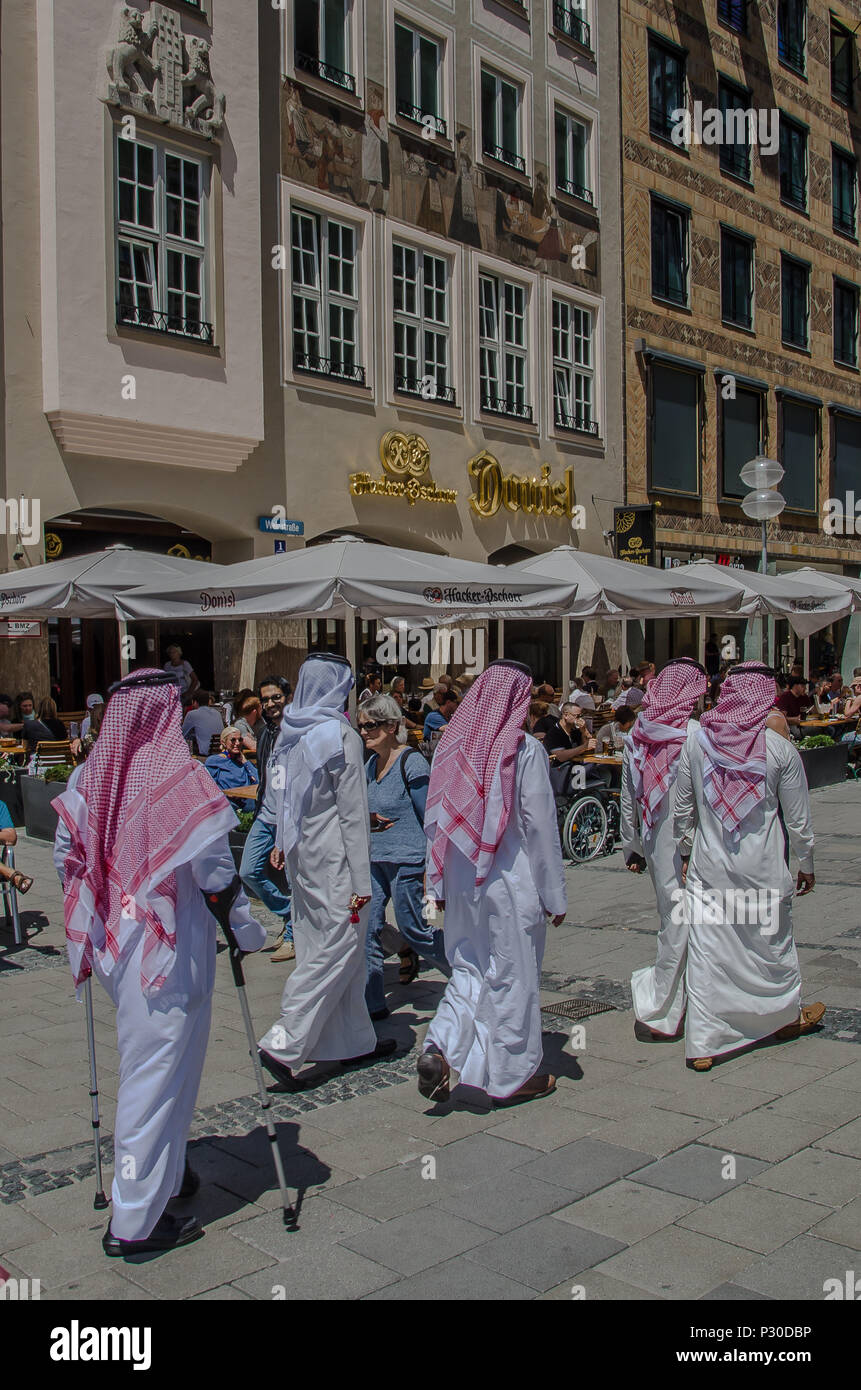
40,818
824,767
10,793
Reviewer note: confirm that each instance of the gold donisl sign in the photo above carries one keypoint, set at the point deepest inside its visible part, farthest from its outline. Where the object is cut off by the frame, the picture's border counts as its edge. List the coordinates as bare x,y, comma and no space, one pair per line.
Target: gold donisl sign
539,496
406,459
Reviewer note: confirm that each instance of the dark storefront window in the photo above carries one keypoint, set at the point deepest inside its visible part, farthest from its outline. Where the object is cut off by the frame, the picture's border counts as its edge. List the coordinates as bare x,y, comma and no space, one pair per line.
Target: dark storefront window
846,435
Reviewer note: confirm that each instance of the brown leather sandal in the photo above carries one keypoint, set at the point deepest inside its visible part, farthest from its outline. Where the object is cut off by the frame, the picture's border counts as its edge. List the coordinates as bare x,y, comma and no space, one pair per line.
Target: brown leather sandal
534,1089
703,1063
811,1015
20,882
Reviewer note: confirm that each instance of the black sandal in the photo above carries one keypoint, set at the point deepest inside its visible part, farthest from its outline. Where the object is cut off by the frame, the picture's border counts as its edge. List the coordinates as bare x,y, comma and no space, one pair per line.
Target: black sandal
20,882
410,964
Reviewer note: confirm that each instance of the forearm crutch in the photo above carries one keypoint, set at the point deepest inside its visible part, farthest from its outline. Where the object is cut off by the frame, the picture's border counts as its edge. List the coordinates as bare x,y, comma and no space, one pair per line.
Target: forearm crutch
219,905
100,1201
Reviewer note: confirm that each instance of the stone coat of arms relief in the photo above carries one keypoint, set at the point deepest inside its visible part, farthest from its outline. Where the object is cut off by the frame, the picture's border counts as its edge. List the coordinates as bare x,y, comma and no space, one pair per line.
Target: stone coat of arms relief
156,70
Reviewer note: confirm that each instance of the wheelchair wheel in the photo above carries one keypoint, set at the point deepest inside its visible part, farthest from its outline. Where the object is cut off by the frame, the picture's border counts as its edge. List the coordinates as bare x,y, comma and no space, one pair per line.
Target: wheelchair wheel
584,829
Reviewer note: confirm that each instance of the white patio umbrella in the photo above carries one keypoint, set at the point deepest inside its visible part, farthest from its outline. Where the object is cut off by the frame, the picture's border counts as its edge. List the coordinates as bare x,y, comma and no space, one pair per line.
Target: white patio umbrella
608,588
86,586
349,575
808,603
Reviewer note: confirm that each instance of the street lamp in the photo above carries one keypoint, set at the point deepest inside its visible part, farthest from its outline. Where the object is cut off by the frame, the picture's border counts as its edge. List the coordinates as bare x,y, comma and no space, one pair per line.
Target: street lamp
762,504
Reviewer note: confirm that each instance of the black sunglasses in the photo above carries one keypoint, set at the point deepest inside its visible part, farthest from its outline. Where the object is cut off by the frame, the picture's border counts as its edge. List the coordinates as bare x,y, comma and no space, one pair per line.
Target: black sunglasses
374,724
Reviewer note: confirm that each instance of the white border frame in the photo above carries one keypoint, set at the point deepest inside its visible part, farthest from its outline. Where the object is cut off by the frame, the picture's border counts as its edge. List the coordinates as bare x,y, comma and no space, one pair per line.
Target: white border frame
523,78
453,252
556,289
445,35
574,106
356,20
316,201
494,265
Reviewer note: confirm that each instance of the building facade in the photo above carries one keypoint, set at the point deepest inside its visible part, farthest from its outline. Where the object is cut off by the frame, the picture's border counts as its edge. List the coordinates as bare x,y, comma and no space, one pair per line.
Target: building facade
451,278
742,127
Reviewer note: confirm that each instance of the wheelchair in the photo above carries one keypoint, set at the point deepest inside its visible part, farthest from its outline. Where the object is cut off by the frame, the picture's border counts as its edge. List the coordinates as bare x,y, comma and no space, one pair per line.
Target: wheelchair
589,821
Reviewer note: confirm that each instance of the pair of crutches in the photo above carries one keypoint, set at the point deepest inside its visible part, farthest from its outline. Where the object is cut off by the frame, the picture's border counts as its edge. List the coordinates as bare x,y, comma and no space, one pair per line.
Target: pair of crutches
219,905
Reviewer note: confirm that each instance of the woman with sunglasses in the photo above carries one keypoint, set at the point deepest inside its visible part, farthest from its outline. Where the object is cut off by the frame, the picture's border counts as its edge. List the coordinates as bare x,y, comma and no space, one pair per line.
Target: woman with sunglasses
230,768
397,790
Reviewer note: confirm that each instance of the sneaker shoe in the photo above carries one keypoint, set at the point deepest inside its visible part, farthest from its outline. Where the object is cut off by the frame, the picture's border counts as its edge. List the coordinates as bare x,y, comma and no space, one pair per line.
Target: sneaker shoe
170,1232
286,951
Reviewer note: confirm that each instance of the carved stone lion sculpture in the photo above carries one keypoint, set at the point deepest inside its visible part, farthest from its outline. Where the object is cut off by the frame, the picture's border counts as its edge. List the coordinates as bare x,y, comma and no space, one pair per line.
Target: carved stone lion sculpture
131,68
203,104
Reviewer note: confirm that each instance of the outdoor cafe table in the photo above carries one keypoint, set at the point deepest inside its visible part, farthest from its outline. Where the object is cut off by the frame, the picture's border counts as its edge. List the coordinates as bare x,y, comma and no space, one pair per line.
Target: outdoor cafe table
829,723
243,793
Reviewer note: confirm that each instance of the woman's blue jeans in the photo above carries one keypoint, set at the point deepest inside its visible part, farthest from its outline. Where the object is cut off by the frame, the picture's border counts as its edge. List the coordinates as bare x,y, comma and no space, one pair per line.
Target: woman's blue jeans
404,885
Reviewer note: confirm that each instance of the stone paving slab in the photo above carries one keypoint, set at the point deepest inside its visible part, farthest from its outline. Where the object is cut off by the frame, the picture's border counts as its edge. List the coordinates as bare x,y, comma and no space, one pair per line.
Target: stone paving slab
590,1287
766,1135
426,1237
675,1263
846,1140
543,1252
586,1165
844,1226
816,1175
458,1279
326,1272
626,1211
699,1171
799,1269
755,1218
508,1201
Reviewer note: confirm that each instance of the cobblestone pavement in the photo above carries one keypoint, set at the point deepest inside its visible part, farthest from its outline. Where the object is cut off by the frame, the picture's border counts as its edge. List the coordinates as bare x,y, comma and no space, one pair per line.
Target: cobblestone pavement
638,1179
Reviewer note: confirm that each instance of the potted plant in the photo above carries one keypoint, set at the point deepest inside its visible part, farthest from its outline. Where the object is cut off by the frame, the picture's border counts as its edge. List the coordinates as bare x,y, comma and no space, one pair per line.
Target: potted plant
238,836
40,818
824,761
10,790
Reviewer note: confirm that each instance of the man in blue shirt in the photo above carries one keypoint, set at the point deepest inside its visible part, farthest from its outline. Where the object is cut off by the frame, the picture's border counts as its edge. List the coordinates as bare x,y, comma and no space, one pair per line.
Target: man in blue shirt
438,718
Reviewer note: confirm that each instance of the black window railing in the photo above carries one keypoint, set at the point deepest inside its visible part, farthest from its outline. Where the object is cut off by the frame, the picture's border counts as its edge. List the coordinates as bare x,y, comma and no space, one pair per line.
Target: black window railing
575,190
574,422
661,122
733,14
327,72
502,156
844,218
506,405
566,21
423,118
330,367
427,388
793,190
133,316
842,89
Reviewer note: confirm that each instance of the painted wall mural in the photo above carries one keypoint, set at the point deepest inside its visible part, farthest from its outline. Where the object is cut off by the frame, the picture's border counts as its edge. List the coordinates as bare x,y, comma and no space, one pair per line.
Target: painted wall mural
359,156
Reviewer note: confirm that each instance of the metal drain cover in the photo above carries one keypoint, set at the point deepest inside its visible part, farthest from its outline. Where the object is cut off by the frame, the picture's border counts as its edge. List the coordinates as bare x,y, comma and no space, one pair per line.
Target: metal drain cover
578,1008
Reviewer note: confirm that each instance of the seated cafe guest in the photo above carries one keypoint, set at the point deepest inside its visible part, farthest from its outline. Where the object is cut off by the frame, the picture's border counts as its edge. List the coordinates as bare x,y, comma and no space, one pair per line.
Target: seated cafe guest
49,717
612,737
569,739
230,768
202,723
33,731
250,712
439,717
794,702
539,720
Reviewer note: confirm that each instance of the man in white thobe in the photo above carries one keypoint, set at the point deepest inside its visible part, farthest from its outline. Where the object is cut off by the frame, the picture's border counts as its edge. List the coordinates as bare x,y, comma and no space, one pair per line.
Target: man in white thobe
142,830
735,776
648,793
323,830
494,860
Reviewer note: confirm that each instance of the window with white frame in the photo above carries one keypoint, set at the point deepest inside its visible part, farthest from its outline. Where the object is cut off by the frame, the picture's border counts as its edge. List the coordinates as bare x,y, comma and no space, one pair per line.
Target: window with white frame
326,317
574,367
422,323
504,347
419,77
573,155
502,118
323,41
161,240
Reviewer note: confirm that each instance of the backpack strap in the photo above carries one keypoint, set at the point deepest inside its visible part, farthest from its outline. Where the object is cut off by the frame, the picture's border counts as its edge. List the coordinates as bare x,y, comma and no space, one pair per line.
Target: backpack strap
403,759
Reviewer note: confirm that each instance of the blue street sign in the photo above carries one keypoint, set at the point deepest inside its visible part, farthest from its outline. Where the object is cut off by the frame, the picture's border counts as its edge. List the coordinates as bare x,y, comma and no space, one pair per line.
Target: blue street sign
280,547
283,528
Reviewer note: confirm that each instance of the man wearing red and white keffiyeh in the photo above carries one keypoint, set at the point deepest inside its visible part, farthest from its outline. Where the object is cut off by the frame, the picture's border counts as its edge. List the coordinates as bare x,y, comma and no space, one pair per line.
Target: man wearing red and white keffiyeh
495,860
142,830
648,785
737,778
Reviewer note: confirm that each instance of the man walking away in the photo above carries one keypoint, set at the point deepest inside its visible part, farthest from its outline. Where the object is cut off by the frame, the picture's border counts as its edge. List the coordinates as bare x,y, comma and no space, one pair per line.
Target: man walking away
735,776
495,862
142,830
648,792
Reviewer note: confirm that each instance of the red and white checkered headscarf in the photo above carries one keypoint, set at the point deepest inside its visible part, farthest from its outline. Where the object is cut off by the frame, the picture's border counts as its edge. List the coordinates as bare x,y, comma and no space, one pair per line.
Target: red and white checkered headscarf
655,743
139,807
471,788
733,739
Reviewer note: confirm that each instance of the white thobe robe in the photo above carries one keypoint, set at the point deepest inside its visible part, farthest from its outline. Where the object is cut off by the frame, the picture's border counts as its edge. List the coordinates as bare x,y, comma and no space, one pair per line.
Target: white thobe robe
488,1024
162,1040
659,990
323,1012
743,980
